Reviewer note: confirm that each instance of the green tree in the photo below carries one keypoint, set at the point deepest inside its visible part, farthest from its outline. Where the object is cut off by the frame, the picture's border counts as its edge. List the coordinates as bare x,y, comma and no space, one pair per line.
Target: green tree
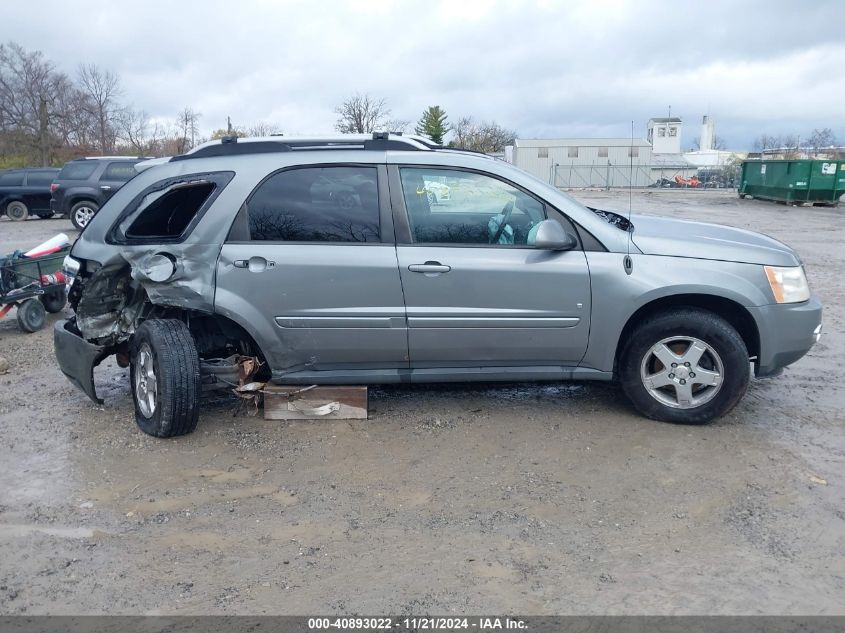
433,124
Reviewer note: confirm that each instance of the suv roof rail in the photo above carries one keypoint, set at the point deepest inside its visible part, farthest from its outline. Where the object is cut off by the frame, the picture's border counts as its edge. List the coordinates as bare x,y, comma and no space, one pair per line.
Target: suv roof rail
113,158
378,141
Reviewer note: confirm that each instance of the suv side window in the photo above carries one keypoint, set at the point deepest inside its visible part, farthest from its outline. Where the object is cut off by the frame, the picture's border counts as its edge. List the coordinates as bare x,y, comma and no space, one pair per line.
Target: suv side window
40,178
316,204
11,179
77,170
121,172
461,207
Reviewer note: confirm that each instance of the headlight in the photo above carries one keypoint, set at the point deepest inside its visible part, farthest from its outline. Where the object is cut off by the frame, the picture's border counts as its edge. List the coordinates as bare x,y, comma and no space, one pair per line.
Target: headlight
789,285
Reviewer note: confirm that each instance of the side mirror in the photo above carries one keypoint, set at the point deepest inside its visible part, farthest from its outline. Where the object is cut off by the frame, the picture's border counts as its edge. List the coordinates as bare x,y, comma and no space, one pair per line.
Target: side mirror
553,237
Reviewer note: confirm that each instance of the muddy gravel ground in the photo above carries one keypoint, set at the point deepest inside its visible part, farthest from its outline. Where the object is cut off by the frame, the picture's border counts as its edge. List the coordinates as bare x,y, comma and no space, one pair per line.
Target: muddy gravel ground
533,499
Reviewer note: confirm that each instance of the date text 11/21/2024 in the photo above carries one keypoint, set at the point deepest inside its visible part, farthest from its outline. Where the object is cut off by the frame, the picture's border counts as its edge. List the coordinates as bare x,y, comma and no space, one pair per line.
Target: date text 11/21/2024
417,623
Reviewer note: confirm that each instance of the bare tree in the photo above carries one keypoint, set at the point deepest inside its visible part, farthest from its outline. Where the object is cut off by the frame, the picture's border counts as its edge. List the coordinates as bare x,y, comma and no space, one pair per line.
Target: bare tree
263,128
820,140
718,143
187,124
30,89
102,90
133,127
362,114
487,136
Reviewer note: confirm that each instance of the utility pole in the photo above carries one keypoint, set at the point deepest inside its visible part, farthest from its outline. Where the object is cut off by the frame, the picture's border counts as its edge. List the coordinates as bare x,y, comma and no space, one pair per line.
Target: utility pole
229,125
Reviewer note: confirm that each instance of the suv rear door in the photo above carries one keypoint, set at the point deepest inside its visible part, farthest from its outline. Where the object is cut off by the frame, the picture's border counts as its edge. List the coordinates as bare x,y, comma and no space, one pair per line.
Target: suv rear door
477,296
311,260
114,176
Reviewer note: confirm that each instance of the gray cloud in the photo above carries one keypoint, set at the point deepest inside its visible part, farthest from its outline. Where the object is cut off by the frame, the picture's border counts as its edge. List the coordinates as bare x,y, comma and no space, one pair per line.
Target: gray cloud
546,69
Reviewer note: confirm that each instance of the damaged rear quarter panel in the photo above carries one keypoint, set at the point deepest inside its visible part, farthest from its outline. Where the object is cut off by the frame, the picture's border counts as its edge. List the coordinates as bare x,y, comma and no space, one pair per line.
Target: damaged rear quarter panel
193,282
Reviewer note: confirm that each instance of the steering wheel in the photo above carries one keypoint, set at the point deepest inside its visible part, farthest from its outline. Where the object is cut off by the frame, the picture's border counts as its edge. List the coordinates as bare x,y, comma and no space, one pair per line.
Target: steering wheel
507,210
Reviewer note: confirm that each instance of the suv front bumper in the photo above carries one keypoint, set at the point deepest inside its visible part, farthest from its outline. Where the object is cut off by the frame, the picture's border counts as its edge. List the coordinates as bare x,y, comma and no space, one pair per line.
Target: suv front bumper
77,358
787,332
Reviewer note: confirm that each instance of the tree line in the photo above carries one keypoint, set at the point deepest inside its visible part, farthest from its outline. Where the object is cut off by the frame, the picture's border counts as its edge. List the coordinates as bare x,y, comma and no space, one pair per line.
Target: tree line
48,117
819,141
363,114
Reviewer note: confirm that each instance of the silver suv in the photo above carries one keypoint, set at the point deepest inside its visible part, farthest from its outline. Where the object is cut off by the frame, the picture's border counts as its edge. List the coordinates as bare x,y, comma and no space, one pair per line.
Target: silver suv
332,262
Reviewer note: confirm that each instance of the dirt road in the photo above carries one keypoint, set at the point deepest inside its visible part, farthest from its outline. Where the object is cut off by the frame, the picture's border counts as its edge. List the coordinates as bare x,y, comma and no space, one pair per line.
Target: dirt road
537,499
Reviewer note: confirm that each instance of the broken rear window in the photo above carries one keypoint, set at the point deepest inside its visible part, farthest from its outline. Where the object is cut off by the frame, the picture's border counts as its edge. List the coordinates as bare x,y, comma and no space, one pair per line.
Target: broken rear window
168,210
168,213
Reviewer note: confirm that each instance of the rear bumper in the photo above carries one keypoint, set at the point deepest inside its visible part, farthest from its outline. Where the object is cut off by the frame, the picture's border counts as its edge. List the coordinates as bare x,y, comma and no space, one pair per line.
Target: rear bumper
77,358
787,332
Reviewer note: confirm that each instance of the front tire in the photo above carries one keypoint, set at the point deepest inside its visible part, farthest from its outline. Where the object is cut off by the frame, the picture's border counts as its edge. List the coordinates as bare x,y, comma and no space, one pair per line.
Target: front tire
686,365
82,213
17,211
165,378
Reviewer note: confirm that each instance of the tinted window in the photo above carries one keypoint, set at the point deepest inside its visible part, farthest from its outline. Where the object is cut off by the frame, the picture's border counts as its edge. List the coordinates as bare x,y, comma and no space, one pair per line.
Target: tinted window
119,171
40,178
316,204
78,170
458,207
11,179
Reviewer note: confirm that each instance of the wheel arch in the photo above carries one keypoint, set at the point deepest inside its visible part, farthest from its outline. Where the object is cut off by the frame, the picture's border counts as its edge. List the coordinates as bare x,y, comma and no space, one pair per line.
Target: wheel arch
734,313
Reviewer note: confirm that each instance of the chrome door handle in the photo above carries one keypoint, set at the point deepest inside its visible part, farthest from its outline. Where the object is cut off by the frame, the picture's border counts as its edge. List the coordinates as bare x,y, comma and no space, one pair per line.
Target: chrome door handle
429,267
254,264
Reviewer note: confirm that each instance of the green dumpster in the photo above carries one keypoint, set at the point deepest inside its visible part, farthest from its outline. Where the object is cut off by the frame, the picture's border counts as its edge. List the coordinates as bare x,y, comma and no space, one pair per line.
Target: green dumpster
793,181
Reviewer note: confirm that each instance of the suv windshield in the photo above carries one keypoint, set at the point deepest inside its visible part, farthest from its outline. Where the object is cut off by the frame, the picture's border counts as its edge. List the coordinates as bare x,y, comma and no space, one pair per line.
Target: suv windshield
77,170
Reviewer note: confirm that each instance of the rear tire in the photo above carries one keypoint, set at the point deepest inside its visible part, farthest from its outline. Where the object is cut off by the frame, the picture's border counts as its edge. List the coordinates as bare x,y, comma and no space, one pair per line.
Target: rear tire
690,340
17,211
31,315
54,299
82,213
165,378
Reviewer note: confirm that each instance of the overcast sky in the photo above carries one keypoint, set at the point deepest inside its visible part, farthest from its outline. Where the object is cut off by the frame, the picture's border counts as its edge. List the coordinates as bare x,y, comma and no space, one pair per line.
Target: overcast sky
545,69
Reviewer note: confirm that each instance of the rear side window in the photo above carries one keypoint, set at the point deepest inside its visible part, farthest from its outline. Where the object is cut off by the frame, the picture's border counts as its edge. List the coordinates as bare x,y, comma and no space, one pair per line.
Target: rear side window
120,172
166,214
316,204
13,179
40,178
80,170
168,210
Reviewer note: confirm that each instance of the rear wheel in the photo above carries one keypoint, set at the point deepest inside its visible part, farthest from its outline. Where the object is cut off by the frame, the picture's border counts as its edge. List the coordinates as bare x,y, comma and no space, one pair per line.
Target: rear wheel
31,315
17,211
82,213
165,378
687,366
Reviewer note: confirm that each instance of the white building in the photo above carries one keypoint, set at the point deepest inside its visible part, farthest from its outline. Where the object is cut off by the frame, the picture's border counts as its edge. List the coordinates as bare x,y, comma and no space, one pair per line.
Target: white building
707,156
664,134
585,162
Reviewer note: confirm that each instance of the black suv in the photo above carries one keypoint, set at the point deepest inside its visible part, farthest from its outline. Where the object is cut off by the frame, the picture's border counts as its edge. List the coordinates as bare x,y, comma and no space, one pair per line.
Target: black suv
25,192
84,185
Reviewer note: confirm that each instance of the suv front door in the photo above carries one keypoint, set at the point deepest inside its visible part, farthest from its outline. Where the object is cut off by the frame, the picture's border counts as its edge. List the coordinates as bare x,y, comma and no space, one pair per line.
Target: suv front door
311,263
477,292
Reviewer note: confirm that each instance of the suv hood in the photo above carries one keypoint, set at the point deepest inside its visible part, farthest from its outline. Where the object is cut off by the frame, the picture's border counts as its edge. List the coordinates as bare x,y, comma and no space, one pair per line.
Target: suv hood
656,235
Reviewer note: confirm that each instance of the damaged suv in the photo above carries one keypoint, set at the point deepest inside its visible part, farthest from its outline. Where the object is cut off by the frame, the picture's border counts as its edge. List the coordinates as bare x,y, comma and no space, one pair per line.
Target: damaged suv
326,260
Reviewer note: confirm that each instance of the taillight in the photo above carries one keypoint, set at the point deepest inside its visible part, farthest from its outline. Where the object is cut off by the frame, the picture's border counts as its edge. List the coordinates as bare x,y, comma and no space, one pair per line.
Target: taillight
53,187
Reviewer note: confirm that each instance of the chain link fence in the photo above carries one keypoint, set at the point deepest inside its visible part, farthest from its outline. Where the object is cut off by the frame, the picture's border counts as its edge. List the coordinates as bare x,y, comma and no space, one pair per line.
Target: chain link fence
610,176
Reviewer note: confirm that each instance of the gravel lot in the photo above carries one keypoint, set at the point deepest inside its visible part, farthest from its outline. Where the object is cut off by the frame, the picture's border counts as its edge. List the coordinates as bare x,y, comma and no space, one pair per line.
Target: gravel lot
532,499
